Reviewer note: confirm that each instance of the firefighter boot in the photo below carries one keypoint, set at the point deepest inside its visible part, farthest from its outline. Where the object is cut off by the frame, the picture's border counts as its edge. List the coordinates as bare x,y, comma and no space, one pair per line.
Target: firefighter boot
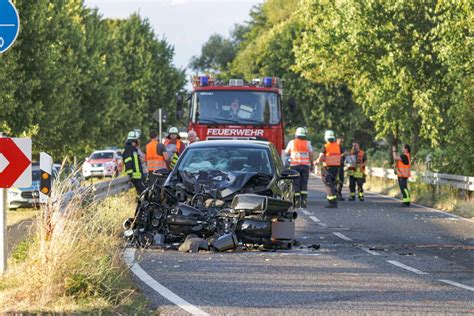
352,198
361,196
332,200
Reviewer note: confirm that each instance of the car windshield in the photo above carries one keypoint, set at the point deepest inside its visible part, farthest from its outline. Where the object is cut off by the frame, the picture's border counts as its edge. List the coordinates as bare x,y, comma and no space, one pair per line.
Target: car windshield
226,159
102,155
235,107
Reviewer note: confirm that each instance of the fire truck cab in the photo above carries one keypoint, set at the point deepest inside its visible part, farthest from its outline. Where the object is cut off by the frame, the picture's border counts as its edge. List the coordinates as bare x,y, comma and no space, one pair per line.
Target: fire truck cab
237,110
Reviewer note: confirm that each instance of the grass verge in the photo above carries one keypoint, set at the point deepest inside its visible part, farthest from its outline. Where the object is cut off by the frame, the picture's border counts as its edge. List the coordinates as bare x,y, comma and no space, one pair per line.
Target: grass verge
440,197
18,215
73,262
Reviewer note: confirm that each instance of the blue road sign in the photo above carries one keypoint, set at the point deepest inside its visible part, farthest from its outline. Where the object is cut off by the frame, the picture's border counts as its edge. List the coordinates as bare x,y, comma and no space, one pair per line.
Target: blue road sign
9,24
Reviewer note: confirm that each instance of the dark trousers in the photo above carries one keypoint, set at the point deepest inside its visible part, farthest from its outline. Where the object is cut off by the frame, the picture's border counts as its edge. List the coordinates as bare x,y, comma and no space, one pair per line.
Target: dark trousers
329,175
139,185
403,183
340,181
353,181
300,185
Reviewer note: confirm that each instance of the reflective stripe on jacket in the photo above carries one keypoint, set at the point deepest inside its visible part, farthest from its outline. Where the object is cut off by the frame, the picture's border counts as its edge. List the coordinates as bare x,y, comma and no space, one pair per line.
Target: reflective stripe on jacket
403,171
154,160
358,170
333,155
299,153
133,172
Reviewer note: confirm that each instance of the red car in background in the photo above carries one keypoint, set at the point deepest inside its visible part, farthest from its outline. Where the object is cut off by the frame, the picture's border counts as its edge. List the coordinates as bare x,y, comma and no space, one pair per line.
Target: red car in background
102,163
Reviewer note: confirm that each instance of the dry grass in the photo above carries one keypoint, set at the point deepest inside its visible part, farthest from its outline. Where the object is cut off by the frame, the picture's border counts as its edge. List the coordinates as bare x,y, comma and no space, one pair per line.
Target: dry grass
73,261
18,215
442,197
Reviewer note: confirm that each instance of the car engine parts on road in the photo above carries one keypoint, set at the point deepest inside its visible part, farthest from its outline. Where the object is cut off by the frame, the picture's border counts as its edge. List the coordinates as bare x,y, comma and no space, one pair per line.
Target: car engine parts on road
193,213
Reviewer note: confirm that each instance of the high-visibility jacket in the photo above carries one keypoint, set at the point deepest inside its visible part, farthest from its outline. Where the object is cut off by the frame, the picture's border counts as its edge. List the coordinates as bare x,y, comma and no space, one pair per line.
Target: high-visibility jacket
299,153
359,169
131,160
333,155
154,160
175,156
403,170
178,143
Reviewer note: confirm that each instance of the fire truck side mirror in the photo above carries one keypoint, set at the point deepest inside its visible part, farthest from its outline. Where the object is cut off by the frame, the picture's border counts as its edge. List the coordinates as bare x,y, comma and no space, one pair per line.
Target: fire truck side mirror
292,104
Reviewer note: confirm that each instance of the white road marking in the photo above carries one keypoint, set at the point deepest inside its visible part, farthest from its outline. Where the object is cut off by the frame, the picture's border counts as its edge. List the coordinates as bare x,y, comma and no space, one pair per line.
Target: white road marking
373,253
401,265
322,224
129,256
342,236
315,219
422,206
469,288
306,212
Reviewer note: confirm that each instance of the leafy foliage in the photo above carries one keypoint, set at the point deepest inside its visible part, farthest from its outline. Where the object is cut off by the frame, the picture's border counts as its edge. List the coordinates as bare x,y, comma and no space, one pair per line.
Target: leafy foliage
391,71
76,82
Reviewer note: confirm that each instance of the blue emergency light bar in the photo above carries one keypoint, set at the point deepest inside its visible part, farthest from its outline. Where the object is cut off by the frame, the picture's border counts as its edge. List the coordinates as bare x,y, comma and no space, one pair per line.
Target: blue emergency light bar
268,82
204,81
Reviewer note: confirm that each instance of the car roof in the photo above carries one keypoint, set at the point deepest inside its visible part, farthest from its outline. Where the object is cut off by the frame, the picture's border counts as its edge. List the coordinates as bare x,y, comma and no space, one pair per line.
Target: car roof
231,143
105,151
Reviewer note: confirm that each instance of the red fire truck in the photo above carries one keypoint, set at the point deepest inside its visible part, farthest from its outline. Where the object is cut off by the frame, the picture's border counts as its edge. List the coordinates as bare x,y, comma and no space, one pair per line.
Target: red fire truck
237,110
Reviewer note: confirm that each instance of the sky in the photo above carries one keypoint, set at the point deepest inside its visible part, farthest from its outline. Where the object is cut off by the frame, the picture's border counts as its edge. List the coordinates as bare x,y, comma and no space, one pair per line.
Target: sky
185,24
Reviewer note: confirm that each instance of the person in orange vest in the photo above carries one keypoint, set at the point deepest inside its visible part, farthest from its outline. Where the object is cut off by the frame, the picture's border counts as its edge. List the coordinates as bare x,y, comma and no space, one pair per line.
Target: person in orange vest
174,146
330,156
402,168
156,156
300,151
356,172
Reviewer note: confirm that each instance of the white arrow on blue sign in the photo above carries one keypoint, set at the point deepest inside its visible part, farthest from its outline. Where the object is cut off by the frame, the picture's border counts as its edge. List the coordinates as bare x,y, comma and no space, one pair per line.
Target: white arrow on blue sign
9,24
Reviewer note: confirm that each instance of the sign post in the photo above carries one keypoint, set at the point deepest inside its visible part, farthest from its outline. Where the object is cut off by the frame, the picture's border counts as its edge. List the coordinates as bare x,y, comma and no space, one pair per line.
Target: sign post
15,171
9,25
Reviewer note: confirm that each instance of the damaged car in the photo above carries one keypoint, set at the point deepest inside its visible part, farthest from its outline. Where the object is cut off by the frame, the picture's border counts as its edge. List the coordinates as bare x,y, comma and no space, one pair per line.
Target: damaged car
230,193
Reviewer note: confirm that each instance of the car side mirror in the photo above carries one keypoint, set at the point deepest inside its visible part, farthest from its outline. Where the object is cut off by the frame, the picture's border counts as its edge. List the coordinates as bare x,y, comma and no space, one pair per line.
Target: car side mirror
289,174
161,173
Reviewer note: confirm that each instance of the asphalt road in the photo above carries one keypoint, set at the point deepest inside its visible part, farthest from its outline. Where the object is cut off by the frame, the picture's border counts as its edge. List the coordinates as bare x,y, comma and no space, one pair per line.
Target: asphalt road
375,257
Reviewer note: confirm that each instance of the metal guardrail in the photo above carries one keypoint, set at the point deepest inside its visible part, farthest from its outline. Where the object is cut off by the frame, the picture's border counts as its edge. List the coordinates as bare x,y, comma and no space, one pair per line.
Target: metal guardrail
434,178
105,189
99,191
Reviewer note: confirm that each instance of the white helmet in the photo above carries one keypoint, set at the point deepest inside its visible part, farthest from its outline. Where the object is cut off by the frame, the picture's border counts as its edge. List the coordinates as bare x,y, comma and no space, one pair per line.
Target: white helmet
300,131
329,135
173,130
133,135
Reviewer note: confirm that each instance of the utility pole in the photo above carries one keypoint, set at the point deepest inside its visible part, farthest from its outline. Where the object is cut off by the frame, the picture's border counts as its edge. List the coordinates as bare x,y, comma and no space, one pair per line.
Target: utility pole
160,122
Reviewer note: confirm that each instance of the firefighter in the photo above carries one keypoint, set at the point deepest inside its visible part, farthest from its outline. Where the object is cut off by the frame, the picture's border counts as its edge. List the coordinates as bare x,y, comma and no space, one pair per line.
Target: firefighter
356,172
340,176
174,146
300,151
156,156
131,159
402,168
330,156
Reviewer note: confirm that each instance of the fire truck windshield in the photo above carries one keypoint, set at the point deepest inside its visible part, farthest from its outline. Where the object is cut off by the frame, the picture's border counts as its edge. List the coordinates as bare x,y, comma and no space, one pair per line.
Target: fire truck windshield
235,107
